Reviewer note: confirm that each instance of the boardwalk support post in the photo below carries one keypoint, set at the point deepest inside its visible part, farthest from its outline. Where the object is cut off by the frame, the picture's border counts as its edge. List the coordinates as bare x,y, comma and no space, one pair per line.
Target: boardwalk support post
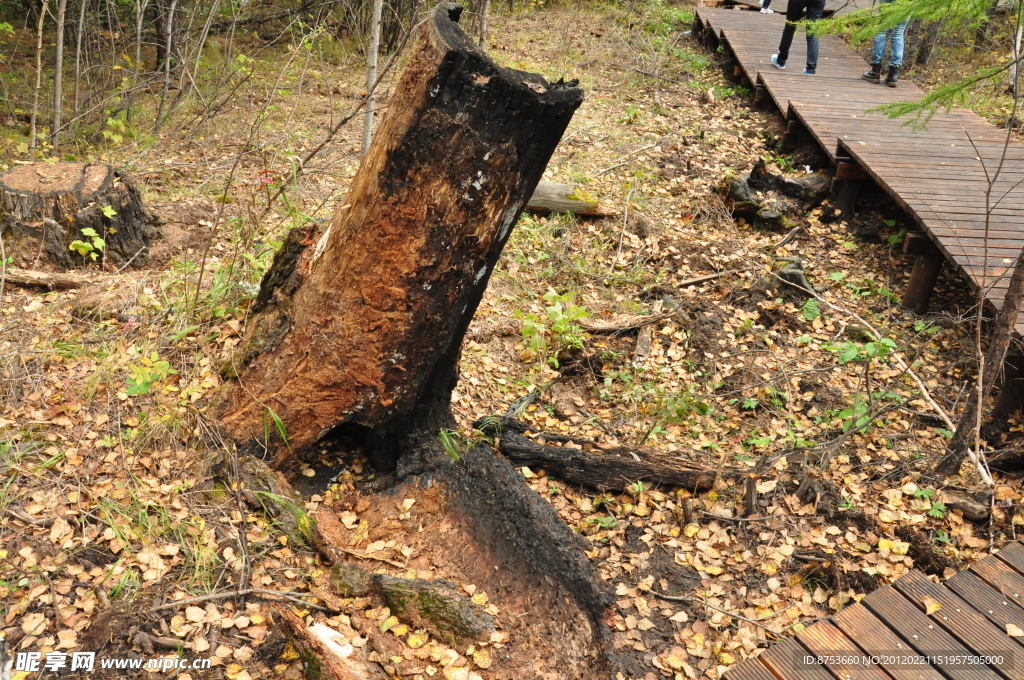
926,271
847,185
795,133
847,191
761,98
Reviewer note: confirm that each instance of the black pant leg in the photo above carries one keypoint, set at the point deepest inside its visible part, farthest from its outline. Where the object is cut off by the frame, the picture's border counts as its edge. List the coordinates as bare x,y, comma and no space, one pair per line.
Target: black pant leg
794,12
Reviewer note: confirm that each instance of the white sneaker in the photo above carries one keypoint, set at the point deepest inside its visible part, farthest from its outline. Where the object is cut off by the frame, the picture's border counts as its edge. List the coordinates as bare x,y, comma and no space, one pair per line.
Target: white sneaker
767,10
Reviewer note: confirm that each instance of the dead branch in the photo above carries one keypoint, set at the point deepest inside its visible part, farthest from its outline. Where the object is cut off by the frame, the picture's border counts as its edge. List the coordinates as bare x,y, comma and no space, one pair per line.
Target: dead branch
586,463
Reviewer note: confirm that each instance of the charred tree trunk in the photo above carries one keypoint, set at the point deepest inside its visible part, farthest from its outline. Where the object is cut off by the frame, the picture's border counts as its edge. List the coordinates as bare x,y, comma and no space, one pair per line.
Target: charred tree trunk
359,329
45,208
362,325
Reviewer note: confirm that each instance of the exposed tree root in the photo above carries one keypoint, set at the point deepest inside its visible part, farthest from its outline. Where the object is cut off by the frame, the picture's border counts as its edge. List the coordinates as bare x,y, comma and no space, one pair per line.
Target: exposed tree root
586,463
518,534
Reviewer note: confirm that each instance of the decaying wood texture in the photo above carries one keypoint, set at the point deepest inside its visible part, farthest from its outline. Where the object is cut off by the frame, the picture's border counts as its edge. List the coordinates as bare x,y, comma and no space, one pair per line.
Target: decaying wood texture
45,206
361,326
48,280
328,654
586,463
555,197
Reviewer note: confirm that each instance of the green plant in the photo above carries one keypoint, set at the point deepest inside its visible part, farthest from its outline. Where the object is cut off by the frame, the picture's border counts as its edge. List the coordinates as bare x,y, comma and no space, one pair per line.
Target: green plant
92,246
942,537
938,510
559,330
606,522
848,504
852,352
150,369
811,309
454,443
632,115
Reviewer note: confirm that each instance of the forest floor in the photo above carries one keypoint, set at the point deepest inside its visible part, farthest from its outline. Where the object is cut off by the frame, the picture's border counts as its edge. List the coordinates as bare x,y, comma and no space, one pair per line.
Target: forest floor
116,517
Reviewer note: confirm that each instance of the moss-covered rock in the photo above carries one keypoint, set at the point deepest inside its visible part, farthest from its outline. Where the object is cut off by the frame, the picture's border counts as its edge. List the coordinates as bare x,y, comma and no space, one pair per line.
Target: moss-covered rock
436,606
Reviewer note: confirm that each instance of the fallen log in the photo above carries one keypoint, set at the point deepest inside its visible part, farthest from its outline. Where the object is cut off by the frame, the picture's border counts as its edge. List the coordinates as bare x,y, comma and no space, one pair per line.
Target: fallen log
584,462
555,197
50,280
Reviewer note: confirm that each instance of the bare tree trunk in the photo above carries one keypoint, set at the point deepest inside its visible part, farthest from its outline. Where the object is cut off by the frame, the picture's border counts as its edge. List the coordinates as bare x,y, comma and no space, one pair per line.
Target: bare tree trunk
58,76
78,57
982,31
169,35
371,73
928,42
1014,67
39,79
485,6
361,327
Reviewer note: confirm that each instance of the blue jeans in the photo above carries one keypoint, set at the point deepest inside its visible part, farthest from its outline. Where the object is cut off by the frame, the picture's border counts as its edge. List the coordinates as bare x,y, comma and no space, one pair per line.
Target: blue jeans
896,54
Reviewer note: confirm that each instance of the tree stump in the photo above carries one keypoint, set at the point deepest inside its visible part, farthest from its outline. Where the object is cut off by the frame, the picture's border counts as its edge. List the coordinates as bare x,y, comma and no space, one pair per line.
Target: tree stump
362,326
46,208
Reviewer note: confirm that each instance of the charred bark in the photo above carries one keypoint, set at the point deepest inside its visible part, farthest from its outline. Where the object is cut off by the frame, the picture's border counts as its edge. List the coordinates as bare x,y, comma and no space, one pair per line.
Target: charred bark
362,325
586,463
45,207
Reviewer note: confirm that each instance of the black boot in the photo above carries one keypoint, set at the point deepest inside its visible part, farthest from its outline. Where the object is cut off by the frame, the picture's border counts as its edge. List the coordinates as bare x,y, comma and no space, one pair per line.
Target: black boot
893,76
874,75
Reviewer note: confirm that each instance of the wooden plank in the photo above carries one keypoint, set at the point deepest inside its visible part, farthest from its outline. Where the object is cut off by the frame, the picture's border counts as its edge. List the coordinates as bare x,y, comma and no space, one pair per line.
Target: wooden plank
923,635
751,669
963,621
992,604
842,657
1013,554
1002,577
786,660
875,638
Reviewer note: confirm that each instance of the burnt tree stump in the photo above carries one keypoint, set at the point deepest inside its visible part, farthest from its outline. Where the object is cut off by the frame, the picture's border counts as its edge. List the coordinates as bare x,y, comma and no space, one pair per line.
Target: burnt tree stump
362,326
44,208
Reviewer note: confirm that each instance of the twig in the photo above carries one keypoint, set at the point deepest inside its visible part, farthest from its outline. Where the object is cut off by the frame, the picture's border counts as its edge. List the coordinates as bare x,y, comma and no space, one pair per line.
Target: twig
737,519
44,522
364,556
788,237
292,596
693,600
3,266
706,277
655,75
629,156
520,404
622,232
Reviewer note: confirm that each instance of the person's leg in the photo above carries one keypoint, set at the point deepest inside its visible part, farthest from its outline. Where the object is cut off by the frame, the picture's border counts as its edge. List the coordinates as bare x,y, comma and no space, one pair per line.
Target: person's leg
878,50
794,12
896,54
814,11
896,57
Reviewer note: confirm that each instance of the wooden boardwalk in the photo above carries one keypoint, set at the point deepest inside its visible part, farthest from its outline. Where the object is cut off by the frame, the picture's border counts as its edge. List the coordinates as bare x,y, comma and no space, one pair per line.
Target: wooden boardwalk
936,173
889,635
